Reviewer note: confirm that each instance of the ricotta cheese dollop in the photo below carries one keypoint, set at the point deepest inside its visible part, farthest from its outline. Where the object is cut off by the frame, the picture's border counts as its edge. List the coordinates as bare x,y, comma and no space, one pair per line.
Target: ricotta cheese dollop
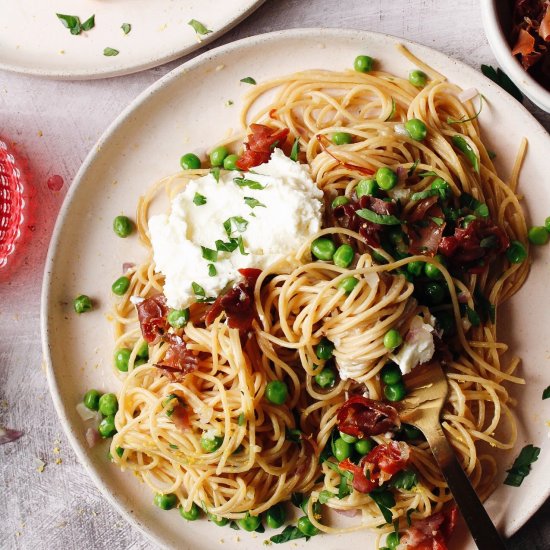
419,345
273,216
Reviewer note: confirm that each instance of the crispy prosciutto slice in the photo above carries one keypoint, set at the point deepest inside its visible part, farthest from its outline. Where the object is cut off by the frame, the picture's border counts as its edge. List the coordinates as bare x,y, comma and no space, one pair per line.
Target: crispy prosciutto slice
152,318
237,303
472,247
425,226
260,144
431,533
363,417
178,360
378,466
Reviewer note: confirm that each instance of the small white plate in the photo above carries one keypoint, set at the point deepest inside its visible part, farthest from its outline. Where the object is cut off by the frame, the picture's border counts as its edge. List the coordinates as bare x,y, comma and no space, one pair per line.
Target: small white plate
34,41
187,111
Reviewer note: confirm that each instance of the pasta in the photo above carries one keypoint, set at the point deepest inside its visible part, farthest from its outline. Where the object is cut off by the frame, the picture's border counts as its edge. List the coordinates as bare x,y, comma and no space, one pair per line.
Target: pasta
210,436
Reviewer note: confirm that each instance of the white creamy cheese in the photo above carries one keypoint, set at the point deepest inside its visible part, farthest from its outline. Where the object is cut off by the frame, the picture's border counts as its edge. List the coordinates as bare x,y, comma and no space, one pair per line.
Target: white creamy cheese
418,347
288,213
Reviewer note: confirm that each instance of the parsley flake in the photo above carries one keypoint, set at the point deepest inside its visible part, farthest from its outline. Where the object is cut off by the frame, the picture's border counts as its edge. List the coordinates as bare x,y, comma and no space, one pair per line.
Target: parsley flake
243,182
126,28
546,393
248,80
212,271
295,150
235,223
110,52
198,27
252,202
209,254
522,465
199,199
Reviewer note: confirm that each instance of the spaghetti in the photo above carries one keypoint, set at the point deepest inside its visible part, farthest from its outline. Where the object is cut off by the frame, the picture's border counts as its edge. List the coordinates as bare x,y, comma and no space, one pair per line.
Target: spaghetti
206,431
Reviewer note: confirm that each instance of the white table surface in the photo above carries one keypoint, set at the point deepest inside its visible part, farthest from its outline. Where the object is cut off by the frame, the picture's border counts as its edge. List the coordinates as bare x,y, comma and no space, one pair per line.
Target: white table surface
55,124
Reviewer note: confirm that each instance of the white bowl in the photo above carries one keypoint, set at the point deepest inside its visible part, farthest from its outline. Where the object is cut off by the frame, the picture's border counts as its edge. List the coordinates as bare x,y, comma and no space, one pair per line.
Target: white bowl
495,14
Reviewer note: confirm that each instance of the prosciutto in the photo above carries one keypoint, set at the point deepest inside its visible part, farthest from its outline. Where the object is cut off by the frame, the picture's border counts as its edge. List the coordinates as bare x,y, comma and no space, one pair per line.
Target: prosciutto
260,143
431,533
152,318
363,417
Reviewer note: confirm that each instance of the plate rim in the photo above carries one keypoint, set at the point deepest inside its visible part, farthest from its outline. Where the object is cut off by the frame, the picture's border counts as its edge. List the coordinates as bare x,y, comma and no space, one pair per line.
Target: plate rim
312,33
110,72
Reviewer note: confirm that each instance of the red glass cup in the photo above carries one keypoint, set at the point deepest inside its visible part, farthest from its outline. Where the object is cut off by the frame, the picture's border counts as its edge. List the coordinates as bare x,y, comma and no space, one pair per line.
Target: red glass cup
13,202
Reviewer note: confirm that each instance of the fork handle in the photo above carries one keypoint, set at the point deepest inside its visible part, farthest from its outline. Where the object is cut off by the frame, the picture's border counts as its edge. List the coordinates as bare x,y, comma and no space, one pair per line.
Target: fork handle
481,527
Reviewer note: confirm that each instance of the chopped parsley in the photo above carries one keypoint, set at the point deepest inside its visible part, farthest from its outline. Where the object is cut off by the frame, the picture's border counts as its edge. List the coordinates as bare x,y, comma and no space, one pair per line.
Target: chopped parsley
212,271
198,27
522,465
198,290
126,28
72,22
215,171
384,500
248,80
235,223
199,199
546,393
462,145
110,52
243,182
209,254
405,479
241,420
252,202
229,246
381,219
290,532
295,150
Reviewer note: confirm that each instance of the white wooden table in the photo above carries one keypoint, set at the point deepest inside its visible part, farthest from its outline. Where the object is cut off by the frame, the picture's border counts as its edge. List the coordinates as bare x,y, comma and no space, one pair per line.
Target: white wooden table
56,124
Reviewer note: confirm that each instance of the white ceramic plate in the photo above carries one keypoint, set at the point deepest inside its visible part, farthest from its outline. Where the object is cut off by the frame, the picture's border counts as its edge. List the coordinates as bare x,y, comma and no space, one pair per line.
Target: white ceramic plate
34,41
186,111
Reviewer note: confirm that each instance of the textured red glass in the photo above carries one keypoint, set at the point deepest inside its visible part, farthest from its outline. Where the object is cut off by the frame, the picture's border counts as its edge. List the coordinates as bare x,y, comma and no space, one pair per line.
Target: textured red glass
12,202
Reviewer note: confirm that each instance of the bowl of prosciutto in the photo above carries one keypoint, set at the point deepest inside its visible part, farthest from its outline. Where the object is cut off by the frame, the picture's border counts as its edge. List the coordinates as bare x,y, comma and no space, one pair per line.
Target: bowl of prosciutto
518,32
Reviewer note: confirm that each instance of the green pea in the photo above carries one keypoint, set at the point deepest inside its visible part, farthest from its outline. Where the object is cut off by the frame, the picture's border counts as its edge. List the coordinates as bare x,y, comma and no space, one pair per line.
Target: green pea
275,516
218,155
347,438
143,351
341,138
82,303
249,523
415,268
107,427
339,201
416,129
306,527
193,513
516,252
538,235
276,392
363,63
178,318
547,224
122,226
442,186
108,404
395,392
190,161
366,187
390,373
218,520
122,357
165,502
418,78
435,293
392,540
344,255
348,284
323,248
386,178
91,400
342,449
211,442
120,286
411,432
364,446
324,349
431,271
326,378
230,162
392,339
